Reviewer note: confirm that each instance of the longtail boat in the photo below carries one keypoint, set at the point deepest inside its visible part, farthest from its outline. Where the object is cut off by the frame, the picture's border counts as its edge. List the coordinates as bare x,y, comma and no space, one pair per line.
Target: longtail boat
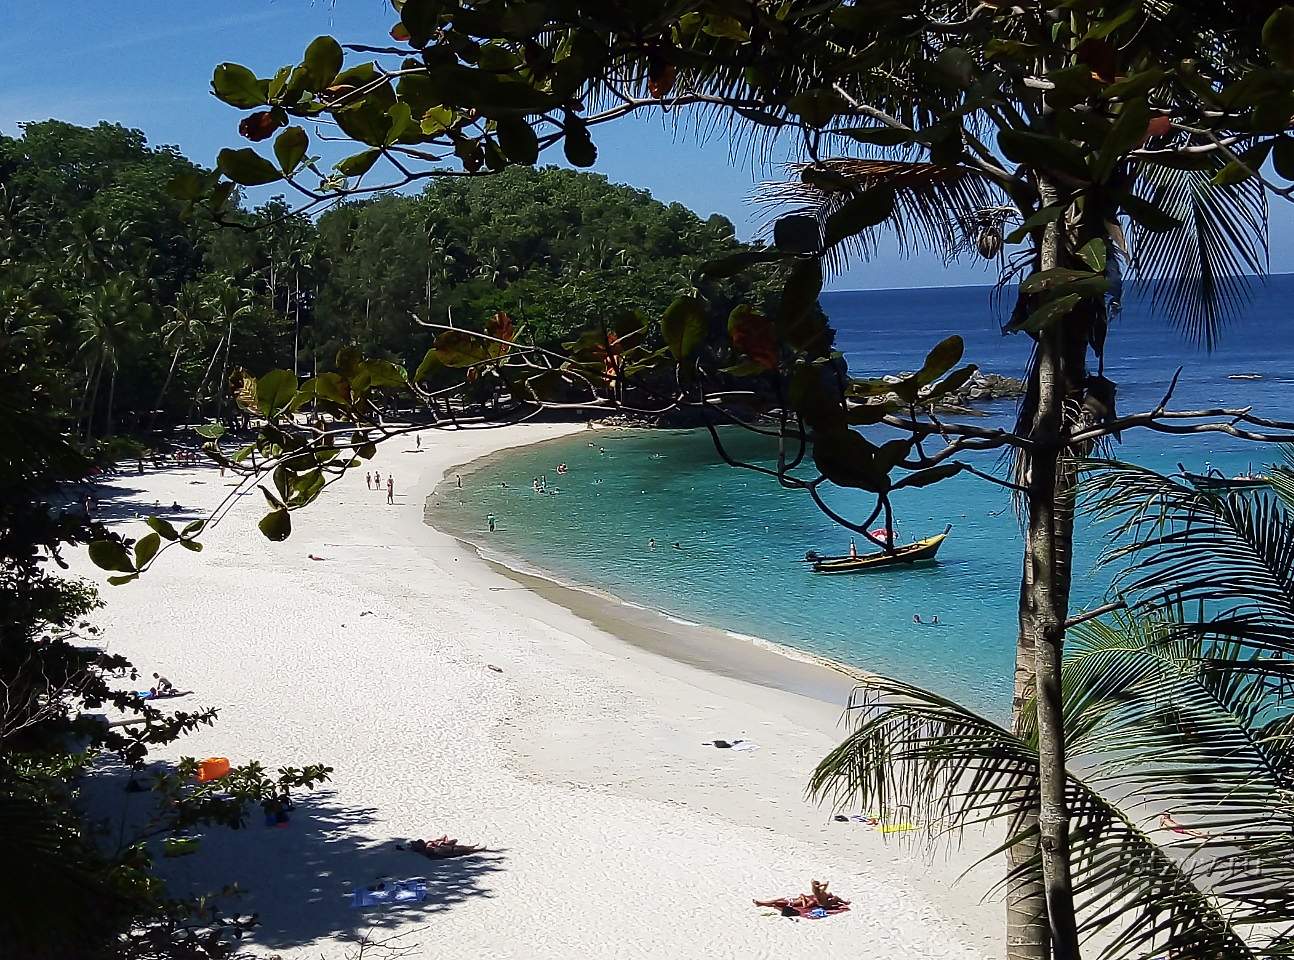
923,551
1214,480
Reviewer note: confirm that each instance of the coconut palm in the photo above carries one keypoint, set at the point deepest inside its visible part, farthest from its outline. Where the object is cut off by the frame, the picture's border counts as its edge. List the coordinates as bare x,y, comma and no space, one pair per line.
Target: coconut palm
232,302
187,324
1178,732
109,316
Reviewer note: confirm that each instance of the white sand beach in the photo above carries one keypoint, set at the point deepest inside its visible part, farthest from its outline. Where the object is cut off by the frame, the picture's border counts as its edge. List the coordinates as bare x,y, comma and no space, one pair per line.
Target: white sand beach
612,830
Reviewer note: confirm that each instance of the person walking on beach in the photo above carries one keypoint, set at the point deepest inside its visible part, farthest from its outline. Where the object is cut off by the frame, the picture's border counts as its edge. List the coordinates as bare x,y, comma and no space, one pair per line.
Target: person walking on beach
390,489
459,481
368,479
377,479
417,438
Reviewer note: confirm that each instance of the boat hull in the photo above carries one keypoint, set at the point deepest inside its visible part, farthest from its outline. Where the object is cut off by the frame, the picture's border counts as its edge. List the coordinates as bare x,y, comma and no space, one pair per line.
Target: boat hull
921,552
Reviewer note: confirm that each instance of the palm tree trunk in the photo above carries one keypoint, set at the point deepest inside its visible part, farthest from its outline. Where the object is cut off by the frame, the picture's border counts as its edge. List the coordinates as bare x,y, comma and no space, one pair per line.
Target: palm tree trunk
92,407
112,390
222,386
157,404
197,394
1040,905
296,311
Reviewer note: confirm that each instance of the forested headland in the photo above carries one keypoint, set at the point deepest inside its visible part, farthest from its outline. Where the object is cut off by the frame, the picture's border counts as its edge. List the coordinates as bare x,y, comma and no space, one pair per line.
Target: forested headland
139,310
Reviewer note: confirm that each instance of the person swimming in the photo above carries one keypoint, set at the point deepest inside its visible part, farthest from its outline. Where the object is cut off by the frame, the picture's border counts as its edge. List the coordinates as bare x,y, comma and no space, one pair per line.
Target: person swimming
916,618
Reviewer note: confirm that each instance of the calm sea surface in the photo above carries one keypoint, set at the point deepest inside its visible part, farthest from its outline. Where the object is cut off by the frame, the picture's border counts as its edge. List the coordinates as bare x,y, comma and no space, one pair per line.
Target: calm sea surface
740,535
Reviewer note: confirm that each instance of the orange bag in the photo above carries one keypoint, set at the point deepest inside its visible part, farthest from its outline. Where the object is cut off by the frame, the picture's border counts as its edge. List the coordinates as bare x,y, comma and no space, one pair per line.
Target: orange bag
212,768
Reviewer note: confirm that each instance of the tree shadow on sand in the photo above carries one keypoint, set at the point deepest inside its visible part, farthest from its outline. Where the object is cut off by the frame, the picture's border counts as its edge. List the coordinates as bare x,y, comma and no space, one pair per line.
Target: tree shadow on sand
300,879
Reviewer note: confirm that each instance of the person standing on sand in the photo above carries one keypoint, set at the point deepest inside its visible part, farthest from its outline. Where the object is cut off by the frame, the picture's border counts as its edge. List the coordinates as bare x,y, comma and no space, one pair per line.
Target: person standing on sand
368,479
377,480
417,437
390,489
459,481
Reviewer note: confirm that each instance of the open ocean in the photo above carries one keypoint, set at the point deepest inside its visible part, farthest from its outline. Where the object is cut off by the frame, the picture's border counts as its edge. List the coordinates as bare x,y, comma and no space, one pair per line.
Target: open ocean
741,535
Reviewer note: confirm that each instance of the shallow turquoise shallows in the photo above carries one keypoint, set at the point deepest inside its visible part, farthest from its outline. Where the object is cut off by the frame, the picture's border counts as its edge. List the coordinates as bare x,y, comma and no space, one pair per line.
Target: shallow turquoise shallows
740,537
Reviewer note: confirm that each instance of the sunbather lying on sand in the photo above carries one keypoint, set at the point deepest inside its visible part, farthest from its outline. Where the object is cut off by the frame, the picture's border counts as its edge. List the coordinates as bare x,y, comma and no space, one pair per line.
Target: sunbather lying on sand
820,897
442,848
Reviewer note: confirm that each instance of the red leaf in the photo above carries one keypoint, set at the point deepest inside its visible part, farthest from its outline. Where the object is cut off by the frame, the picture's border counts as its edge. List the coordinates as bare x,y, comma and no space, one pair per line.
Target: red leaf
752,333
400,33
1158,127
258,126
660,78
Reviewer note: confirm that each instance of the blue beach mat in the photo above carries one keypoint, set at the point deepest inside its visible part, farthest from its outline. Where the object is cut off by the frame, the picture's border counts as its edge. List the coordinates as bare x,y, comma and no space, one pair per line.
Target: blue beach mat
392,893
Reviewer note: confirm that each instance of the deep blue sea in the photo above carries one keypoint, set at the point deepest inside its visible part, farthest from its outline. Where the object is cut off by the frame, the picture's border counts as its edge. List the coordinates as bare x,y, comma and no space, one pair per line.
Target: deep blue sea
741,536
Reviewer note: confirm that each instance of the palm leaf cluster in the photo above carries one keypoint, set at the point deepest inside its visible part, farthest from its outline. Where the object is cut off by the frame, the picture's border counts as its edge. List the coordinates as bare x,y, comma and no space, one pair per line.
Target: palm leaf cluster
932,203
1178,734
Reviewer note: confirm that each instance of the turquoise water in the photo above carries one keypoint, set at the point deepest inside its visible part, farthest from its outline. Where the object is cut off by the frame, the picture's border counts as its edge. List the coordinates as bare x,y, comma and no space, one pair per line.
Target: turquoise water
740,536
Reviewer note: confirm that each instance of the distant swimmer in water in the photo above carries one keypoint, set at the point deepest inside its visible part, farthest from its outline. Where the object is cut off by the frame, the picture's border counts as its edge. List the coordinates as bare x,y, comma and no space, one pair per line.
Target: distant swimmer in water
602,450
676,545
651,544
934,621
916,618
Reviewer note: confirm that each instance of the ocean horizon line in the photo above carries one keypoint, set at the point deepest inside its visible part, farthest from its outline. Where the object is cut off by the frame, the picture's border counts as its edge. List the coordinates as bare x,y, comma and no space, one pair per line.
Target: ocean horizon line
971,286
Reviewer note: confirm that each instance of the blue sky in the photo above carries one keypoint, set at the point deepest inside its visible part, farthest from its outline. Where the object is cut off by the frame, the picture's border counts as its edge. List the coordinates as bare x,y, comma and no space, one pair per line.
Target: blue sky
148,63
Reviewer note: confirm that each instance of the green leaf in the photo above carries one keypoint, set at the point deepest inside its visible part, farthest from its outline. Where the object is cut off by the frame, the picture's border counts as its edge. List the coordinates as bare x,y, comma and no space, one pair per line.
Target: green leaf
1283,158
1046,279
322,63
247,167
849,459
192,529
880,136
191,545
163,527
401,122
1039,219
211,431
940,360
430,364
332,386
684,327
437,119
724,27
124,578
577,144
797,322
276,525
110,555
874,205
517,139
736,263
146,548
421,18
797,233
459,348
274,392
1247,163
358,164
379,373
1050,312
1278,36
289,147
1147,214
237,86
815,107
931,475
1128,130
1043,152
1093,254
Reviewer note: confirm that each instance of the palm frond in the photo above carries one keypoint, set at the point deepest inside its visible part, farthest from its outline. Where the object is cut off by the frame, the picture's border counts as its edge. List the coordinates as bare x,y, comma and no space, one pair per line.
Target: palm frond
917,751
932,202
1197,274
1230,556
